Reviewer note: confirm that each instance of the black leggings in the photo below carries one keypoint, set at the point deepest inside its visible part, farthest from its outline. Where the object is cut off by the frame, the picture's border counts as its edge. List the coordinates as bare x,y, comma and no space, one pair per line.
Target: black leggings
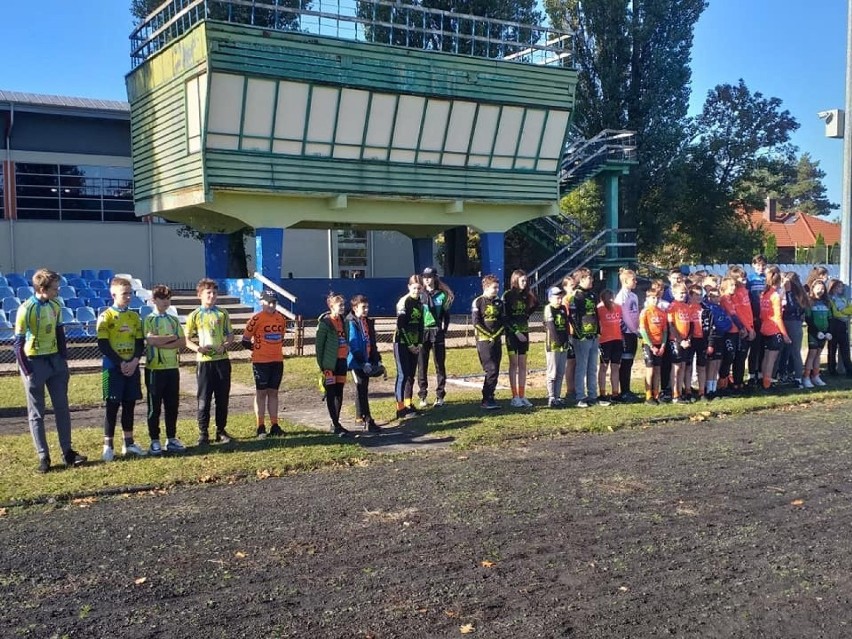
629,343
839,343
334,401
111,417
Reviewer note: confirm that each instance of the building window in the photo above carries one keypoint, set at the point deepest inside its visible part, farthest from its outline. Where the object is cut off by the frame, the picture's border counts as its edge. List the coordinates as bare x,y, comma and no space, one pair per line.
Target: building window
352,253
74,192
196,99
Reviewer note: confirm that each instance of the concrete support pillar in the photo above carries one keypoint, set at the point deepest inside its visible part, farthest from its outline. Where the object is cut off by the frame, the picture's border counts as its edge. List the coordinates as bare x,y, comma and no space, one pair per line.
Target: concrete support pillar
216,247
493,256
424,252
268,247
611,212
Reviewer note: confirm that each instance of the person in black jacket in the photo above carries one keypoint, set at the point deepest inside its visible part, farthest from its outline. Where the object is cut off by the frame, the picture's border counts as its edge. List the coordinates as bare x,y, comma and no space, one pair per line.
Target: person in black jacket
489,320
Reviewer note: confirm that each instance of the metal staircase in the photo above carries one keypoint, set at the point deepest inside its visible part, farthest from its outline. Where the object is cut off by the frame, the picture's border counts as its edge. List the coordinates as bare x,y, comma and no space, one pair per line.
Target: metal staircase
584,159
607,248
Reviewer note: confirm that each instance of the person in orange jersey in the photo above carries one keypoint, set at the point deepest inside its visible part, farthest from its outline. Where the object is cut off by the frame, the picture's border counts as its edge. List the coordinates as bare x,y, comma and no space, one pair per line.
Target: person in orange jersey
264,335
610,345
653,327
679,317
771,323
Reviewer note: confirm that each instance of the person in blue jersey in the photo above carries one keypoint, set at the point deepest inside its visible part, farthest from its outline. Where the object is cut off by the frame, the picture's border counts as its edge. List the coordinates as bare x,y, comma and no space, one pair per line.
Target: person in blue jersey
120,340
755,283
436,298
363,359
41,353
164,338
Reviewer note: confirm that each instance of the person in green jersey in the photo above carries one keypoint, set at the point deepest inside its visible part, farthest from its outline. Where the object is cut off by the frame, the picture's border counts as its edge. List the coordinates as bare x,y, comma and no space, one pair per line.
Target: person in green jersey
42,361
120,341
164,338
519,303
209,333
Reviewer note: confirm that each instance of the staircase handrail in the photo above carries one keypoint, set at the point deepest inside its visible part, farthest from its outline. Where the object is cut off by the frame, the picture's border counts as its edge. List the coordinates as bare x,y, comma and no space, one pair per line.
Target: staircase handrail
535,273
281,291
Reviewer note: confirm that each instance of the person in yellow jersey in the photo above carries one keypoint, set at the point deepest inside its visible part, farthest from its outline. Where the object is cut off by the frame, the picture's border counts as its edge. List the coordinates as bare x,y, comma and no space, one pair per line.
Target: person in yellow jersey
164,338
42,361
209,333
120,341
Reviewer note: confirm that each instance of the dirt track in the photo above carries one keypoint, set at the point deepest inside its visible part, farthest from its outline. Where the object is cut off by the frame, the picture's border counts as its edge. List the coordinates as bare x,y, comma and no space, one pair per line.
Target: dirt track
733,528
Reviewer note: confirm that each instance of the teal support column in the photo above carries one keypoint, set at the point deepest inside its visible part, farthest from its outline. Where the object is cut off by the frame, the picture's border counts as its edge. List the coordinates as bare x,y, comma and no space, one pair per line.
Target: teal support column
424,253
268,247
216,247
612,221
492,253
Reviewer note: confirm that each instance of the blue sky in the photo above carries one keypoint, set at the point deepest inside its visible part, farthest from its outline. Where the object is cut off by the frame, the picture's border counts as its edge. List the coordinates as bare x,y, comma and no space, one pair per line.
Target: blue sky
783,48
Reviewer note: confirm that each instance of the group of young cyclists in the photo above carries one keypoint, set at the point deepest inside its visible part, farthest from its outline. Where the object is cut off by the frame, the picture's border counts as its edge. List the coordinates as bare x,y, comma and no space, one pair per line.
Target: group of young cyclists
701,336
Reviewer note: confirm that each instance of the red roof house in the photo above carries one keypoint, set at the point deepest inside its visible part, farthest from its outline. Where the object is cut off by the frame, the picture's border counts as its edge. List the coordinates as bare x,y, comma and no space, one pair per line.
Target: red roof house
794,230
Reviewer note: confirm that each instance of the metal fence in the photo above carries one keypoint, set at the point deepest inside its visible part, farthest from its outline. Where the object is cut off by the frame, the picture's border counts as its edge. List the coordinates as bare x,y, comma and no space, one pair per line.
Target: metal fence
83,352
378,21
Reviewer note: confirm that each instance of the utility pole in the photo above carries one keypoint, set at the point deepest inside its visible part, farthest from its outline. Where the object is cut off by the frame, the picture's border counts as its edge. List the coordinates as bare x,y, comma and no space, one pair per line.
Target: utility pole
846,206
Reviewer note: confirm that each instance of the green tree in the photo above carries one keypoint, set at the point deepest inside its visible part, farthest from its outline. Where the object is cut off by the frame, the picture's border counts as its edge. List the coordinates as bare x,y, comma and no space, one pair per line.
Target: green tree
770,249
633,57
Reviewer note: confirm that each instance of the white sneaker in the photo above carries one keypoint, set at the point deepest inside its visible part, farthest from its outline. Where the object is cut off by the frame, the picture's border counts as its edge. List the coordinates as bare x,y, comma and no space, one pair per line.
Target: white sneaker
516,403
132,449
527,403
807,383
109,454
817,380
422,404
439,401
156,448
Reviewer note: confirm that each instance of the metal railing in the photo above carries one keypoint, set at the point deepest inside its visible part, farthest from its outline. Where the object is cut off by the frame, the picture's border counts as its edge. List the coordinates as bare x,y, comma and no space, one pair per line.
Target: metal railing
377,21
609,244
584,158
289,313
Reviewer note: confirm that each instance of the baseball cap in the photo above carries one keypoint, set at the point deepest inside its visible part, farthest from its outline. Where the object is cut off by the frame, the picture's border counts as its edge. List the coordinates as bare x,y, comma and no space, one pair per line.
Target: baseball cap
555,290
268,296
429,272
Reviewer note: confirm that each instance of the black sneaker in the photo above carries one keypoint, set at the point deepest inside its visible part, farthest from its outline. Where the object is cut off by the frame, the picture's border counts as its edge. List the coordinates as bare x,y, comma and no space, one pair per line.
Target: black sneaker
489,404
223,437
43,465
73,458
276,431
203,441
371,426
261,432
338,430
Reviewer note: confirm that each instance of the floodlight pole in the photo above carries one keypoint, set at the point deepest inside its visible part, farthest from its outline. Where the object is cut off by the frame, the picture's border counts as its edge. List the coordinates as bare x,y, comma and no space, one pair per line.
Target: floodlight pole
846,207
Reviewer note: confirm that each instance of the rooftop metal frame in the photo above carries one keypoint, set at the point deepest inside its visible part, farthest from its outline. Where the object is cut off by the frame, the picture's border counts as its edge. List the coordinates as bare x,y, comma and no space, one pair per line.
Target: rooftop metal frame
375,21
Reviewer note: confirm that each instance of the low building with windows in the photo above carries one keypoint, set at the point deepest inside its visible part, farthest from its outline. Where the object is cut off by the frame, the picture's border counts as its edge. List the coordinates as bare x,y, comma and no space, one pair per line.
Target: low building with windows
66,202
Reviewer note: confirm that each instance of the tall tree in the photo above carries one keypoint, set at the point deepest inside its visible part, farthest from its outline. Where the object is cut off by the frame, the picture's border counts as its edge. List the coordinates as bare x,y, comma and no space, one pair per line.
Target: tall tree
633,57
797,184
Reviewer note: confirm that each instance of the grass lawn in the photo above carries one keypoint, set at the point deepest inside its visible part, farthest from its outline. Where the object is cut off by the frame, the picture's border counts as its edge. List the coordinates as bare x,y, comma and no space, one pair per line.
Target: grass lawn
301,449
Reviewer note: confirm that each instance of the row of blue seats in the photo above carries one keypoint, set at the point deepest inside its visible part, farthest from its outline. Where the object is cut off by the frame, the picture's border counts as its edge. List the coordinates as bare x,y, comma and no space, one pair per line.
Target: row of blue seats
98,278
11,302
80,315
78,289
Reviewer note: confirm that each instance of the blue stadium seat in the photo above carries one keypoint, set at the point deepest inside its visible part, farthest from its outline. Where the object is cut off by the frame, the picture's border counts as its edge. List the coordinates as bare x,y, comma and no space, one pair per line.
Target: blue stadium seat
136,303
5,291
16,279
66,316
67,292
146,311
89,274
74,303
63,281
103,301
86,314
76,281
103,308
24,292
3,281
29,274
3,317
106,274
10,303
86,294
98,285
7,334
74,330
